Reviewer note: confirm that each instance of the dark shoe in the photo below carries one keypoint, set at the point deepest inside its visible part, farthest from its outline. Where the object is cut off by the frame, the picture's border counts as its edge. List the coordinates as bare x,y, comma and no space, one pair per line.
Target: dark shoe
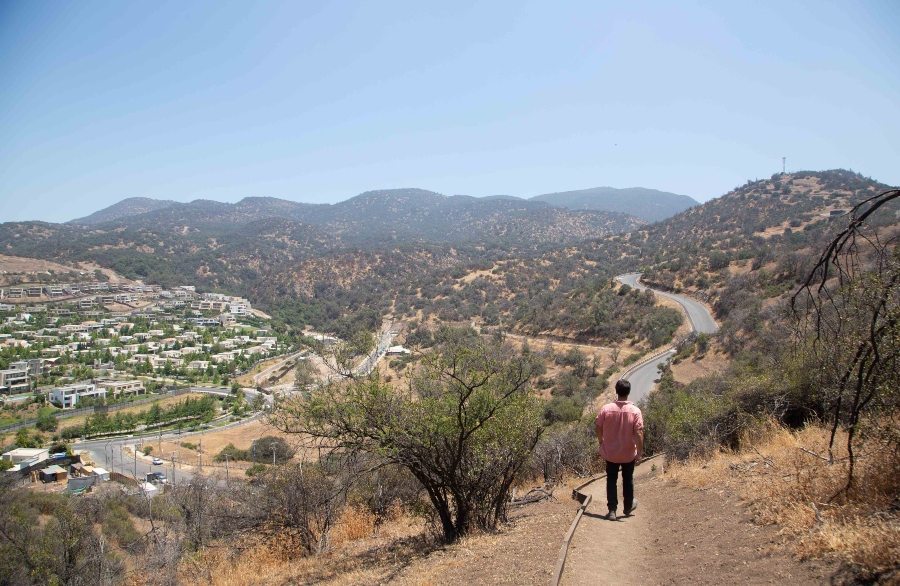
611,515
631,508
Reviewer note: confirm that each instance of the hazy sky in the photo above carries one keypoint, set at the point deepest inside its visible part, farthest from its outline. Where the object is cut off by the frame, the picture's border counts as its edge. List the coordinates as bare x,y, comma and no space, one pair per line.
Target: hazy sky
100,101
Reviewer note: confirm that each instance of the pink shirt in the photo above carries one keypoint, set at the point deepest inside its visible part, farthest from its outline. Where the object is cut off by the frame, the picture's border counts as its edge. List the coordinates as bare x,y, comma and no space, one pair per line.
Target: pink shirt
619,421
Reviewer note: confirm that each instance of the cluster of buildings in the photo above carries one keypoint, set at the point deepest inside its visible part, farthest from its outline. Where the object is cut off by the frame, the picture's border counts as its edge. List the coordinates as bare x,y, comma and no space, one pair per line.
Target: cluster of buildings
174,342
42,466
123,299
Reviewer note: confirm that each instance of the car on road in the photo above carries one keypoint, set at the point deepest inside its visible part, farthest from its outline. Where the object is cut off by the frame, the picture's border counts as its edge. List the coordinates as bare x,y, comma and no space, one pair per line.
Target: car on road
156,477
157,461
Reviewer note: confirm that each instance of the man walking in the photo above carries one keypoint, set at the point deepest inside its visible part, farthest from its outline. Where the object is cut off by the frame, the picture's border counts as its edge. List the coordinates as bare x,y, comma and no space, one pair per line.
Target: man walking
620,431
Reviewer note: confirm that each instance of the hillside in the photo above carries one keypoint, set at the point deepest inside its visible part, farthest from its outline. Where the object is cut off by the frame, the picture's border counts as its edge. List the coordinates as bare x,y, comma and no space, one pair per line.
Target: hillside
346,255
388,216
649,205
131,206
417,253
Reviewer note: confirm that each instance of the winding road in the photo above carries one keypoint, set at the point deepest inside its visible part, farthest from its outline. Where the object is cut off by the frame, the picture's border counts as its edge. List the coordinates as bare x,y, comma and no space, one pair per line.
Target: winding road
644,378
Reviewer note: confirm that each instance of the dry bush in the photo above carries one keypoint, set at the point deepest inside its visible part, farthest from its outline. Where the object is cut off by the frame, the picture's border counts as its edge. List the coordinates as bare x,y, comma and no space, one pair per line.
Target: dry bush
801,492
354,522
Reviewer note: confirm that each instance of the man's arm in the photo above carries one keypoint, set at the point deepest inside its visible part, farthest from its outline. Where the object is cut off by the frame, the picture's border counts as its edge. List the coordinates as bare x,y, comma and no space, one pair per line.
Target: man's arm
639,442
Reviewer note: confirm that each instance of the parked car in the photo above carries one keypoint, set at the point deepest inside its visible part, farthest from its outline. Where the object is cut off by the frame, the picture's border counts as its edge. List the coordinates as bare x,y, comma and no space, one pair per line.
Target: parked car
157,461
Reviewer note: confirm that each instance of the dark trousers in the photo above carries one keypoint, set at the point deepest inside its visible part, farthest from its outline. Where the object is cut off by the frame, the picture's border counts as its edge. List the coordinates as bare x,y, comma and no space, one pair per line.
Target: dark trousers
612,479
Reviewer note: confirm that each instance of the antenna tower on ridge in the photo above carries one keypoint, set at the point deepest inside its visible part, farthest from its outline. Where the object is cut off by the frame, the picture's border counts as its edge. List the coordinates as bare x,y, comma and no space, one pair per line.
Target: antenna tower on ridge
782,164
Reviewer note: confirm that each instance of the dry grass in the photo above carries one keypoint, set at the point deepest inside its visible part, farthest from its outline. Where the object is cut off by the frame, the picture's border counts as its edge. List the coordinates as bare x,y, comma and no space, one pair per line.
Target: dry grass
805,496
695,367
361,557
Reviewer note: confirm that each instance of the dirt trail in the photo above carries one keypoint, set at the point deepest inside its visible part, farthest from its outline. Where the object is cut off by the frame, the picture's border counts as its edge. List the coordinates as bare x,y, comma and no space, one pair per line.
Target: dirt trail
680,536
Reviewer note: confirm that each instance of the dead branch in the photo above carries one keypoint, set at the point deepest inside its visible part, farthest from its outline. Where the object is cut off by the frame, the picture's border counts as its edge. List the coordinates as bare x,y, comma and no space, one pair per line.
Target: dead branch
812,453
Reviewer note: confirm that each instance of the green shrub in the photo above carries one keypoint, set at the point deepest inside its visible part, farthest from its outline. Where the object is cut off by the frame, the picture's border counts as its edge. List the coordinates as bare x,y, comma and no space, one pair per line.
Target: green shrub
233,453
47,423
563,409
256,470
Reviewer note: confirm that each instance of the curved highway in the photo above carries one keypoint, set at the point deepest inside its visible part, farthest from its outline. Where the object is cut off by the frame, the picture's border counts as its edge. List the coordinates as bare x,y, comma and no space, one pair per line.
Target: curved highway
644,378
699,317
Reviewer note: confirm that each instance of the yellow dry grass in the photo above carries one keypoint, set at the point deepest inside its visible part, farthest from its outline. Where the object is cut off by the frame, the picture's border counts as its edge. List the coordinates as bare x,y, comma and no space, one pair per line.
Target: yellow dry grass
358,554
785,484
693,367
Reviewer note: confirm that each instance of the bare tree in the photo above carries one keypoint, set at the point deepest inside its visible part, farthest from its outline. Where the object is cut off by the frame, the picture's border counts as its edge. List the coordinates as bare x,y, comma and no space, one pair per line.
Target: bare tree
846,316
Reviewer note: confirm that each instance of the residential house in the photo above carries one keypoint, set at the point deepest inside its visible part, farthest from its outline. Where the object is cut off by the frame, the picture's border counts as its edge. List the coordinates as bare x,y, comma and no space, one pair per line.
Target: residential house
34,366
31,455
69,395
122,387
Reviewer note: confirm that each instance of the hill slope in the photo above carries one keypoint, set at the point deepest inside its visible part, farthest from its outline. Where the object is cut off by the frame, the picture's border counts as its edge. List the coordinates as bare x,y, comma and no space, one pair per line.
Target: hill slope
649,205
378,217
126,208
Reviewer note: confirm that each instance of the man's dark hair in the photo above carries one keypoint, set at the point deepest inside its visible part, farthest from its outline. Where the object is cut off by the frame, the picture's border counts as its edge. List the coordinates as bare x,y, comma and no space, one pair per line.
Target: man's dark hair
623,387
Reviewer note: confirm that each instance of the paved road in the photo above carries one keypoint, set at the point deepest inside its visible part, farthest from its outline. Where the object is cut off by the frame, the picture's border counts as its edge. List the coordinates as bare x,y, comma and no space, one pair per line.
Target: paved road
645,378
381,345
698,315
110,453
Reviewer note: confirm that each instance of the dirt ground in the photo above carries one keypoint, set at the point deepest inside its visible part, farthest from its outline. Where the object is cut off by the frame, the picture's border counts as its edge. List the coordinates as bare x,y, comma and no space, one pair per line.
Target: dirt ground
693,368
241,436
524,552
212,443
682,536
246,380
21,264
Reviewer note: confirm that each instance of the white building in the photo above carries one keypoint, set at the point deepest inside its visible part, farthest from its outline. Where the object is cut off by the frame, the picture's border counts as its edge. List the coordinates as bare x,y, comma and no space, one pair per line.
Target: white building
69,395
20,455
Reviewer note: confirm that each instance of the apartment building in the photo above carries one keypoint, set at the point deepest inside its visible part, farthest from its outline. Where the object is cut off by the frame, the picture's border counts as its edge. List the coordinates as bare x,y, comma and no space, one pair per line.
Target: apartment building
14,380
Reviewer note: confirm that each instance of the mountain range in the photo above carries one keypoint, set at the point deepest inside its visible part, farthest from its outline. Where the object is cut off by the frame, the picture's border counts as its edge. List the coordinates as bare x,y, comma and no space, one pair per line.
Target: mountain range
402,206
318,262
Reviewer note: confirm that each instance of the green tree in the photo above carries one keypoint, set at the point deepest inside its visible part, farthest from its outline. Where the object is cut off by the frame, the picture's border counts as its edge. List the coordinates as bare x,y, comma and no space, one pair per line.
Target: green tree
463,427
261,449
47,422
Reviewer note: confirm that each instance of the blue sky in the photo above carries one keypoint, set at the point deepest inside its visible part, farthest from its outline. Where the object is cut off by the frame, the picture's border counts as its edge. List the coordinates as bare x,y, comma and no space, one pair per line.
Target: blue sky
319,102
